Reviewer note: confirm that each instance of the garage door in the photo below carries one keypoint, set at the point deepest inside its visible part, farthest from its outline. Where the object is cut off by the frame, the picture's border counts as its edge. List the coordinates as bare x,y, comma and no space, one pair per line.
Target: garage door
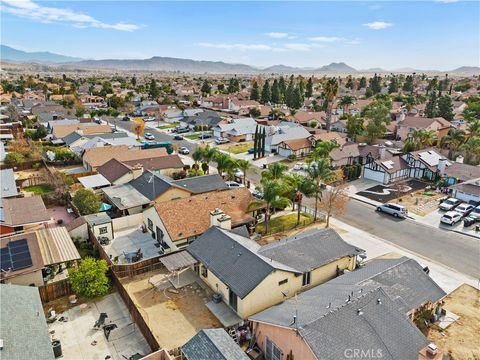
374,175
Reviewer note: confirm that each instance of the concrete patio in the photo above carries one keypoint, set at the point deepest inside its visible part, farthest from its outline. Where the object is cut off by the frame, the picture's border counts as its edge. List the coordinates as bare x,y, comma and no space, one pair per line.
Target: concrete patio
130,240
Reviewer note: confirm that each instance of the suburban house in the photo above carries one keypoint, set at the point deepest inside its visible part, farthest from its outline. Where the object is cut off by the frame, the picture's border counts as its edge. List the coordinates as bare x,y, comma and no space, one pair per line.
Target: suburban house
163,220
468,191
237,130
351,312
8,184
204,119
251,277
22,214
275,135
459,172
306,118
348,154
220,102
296,147
387,169
160,188
35,258
439,126
426,163
95,157
24,327
214,344
61,131
117,172
125,199
236,105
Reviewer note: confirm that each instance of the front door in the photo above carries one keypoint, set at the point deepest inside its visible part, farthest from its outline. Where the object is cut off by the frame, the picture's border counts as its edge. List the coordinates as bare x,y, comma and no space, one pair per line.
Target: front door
232,299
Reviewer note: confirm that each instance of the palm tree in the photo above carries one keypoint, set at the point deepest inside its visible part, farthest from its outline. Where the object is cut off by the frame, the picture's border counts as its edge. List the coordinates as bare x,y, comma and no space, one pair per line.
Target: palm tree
453,141
300,186
474,128
197,155
209,153
322,150
244,165
345,102
330,93
472,150
273,197
275,171
276,114
419,139
319,173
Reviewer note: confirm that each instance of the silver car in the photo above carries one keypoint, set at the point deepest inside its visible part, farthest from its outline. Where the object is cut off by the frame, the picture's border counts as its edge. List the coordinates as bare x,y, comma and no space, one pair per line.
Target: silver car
393,209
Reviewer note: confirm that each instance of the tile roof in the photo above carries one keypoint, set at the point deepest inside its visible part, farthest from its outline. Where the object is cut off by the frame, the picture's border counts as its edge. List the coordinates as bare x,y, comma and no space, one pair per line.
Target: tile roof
423,122
24,327
234,202
212,344
23,211
298,144
306,116
7,183
467,188
309,250
100,155
113,169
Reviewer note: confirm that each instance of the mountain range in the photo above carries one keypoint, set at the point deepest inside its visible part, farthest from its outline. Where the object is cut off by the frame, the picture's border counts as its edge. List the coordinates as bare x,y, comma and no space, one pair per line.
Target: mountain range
170,64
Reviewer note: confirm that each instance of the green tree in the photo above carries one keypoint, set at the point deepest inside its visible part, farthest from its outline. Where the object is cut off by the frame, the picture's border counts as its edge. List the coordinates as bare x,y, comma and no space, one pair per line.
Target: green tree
375,84
362,83
355,126
431,108
345,102
418,139
233,86
329,94
206,88
319,172
133,81
153,90
297,99
14,158
453,141
289,93
87,202
350,84
322,150
474,128
309,88
266,93
445,107
282,86
275,92
225,164
255,93
275,171
244,165
254,112
393,86
472,150
378,116
408,84
300,187
90,278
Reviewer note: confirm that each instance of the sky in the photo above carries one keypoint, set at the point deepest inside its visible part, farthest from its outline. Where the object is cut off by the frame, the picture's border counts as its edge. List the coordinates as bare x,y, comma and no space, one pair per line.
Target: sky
427,35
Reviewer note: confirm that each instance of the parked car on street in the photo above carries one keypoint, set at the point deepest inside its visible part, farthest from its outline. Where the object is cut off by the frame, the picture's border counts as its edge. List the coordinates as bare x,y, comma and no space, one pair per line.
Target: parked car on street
184,151
393,209
470,220
178,137
234,184
299,166
451,218
220,140
251,151
182,130
475,213
149,118
464,209
125,118
204,136
449,204
257,194
149,136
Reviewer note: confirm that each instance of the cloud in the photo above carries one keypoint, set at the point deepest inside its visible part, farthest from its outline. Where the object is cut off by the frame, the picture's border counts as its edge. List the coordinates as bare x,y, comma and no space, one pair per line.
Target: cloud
447,1
30,10
301,46
327,39
378,25
241,47
277,35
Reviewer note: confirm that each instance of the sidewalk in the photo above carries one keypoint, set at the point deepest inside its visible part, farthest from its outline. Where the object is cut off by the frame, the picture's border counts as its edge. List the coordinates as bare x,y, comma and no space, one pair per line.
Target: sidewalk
447,278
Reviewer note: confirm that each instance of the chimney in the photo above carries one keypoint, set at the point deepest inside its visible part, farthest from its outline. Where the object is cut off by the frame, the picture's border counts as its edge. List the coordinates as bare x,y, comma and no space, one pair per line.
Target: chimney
459,159
381,151
430,352
225,222
137,170
214,216
442,165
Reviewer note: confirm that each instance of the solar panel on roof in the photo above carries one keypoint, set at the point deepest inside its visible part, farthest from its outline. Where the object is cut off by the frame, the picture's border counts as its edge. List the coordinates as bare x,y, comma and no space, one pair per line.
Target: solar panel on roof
15,256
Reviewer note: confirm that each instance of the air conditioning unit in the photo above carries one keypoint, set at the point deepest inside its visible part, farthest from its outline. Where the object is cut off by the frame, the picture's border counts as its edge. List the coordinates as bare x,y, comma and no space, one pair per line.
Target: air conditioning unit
432,349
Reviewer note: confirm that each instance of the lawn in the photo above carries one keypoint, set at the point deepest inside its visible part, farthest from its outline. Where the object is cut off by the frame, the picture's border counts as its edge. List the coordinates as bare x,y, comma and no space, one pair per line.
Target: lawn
168,126
239,148
41,189
285,223
192,136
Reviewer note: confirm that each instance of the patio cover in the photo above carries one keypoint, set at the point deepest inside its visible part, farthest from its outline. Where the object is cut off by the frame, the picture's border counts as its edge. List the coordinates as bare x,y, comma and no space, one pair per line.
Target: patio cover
93,181
56,246
177,261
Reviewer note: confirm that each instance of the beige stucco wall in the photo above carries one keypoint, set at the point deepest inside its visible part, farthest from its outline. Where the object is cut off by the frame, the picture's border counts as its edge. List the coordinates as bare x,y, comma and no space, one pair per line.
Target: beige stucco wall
124,222
34,277
172,194
284,338
151,214
80,232
124,179
108,234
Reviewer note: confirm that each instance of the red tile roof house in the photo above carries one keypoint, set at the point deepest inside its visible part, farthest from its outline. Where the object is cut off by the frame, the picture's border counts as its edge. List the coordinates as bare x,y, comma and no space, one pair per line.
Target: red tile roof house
439,125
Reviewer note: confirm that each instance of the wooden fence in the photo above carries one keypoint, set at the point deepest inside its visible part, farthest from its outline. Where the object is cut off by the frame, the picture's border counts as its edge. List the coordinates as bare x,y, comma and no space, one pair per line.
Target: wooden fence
52,291
140,267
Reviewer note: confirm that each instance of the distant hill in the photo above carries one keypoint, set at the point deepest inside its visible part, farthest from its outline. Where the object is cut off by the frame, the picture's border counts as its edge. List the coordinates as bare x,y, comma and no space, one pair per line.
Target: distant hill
468,70
8,53
337,68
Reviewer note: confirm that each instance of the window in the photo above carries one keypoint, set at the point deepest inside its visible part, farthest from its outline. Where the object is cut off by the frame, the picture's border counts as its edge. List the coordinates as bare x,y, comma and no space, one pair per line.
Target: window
150,224
284,281
272,352
204,272
103,230
306,279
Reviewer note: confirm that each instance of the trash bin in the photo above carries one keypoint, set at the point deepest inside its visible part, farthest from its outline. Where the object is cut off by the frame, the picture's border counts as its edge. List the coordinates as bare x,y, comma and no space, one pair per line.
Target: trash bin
57,348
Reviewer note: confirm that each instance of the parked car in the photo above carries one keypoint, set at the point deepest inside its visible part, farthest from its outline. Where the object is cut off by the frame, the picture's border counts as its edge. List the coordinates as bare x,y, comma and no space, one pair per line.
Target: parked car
451,218
220,140
184,151
182,130
204,136
178,137
475,213
257,194
234,184
470,220
149,118
238,173
393,209
449,204
125,118
299,166
149,136
251,151
464,209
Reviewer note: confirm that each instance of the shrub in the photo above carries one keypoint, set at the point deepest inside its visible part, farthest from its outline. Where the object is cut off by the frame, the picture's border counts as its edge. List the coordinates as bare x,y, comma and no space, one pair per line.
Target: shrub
87,202
14,158
90,278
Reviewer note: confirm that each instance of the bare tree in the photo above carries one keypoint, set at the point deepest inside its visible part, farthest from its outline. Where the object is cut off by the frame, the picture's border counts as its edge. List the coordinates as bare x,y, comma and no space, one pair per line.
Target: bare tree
334,201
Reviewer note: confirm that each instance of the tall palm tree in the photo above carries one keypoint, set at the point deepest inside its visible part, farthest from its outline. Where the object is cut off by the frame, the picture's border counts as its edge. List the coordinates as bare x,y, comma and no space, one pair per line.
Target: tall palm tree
346,101
322,150
452,141
276,114
197,155
275,171
472,150
273,197
318,174
300,186
225,163
330,93
209,153
474,128
244,165
419,139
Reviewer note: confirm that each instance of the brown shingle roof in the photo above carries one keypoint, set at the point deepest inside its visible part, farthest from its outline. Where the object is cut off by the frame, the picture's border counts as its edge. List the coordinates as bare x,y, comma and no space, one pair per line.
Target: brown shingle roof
345,152
298,144
328,136
191,216
22,211
60,131
305,116
157,163
423,122
100,155
113,169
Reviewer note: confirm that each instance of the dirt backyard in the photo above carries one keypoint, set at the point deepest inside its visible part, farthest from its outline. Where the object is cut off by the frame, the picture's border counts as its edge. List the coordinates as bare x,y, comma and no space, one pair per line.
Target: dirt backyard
173,318
420,202
461,340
